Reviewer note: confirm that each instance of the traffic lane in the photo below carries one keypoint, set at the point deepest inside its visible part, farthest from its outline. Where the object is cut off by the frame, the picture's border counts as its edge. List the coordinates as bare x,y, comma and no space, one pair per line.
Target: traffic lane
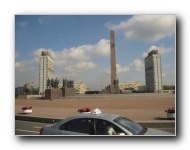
33,128
28,128
171,130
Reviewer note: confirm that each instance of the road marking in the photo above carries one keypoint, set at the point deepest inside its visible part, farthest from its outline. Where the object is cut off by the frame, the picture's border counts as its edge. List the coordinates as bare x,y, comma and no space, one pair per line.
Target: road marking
27,131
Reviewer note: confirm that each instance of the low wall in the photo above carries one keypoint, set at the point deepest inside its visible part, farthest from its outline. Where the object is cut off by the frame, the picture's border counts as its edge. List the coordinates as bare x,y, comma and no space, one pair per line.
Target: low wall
28,96
168,91
126,91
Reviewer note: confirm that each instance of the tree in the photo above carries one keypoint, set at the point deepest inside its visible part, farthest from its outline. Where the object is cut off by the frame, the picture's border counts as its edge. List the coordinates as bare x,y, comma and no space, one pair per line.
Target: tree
168,87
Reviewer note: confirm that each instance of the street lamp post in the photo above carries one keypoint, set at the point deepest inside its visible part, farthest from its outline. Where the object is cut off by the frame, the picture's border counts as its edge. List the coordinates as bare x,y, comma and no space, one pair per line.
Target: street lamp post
32,87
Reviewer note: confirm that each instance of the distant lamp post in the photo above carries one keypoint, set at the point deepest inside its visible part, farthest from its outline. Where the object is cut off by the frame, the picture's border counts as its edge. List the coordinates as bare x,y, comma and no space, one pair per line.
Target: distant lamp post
32,87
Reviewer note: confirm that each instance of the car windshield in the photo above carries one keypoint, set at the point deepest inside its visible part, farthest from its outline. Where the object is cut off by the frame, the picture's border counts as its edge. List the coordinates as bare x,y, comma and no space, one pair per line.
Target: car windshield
128,124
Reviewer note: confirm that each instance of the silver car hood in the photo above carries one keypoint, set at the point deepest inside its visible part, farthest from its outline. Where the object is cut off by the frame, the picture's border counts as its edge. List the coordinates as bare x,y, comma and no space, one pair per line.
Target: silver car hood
151,131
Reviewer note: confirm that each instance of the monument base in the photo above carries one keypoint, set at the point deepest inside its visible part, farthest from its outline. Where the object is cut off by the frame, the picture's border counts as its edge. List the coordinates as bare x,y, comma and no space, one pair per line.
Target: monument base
53,93
115,91
68,92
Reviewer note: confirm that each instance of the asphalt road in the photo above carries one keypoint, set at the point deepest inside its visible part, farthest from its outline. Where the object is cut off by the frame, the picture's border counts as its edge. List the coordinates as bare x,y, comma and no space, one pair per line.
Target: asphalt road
27,128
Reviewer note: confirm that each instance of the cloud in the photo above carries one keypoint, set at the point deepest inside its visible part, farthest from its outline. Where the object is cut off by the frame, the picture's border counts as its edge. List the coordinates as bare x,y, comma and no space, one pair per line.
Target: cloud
22,67
119,69
45,19
149,28
17,54
161,49
107,70
76,54
164,75
137,65
168,65
75,69
25,66
81,66
19,64
102,48
70,61
22,24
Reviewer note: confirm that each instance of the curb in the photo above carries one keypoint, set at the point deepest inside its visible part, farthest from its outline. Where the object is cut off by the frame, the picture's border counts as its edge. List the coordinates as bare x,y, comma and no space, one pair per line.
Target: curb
38,119
149,124
158,124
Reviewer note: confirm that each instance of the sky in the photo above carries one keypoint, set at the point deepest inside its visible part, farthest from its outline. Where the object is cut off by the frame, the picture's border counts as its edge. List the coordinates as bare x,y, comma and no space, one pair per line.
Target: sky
80,47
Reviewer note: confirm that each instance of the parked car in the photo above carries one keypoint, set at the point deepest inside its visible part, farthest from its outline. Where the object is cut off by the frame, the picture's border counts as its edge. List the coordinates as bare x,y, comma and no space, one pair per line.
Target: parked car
98,123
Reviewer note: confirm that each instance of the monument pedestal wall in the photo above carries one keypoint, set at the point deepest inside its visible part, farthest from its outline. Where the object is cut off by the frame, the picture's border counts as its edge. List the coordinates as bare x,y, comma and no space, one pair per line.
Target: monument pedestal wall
68,92
53,93
116,91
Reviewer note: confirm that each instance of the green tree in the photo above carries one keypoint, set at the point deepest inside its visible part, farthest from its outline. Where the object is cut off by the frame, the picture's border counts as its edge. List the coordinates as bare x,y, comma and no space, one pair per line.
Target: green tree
168,87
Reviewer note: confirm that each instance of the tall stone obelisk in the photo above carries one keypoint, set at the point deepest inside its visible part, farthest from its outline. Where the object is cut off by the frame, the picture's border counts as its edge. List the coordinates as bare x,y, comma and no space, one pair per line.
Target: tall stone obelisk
114,81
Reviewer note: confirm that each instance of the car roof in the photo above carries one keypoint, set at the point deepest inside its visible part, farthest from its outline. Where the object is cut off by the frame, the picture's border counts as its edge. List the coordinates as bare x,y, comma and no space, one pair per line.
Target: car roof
106,116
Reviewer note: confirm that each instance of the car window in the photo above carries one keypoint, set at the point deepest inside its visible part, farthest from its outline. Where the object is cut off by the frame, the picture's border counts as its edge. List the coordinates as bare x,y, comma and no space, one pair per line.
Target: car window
103,127
131,126
65,126
82,125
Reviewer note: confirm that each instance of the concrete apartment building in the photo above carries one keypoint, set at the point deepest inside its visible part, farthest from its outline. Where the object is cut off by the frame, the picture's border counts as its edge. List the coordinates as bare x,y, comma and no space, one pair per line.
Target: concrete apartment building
80,87
133,85
153,72
46,70
125,87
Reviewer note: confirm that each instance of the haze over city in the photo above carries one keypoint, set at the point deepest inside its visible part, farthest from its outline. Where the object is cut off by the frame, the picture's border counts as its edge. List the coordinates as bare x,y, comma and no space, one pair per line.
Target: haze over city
80,47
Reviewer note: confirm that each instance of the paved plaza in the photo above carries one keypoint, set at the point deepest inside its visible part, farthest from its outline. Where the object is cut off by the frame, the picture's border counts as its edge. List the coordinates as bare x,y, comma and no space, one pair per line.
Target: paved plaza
138,107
